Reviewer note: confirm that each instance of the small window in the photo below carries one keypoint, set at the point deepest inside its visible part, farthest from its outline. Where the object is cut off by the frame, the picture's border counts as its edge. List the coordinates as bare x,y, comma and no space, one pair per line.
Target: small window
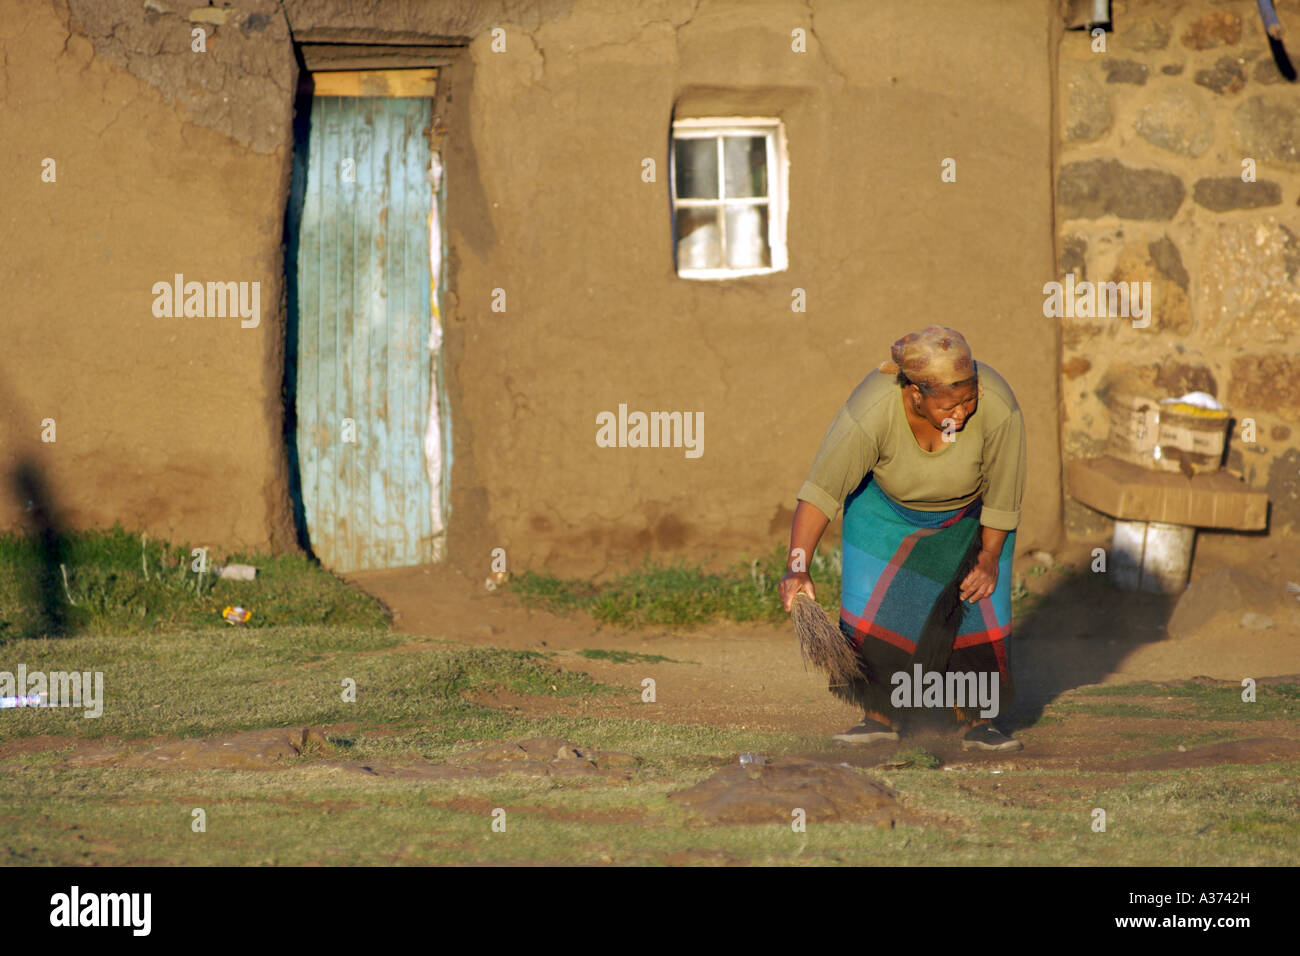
728,187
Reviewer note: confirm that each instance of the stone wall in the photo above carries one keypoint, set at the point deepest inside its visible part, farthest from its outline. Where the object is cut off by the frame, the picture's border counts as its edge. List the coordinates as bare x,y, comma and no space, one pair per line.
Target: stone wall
1154,132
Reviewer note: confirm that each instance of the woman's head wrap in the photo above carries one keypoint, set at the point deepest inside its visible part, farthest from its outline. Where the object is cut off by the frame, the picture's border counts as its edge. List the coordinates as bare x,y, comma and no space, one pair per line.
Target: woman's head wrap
935,358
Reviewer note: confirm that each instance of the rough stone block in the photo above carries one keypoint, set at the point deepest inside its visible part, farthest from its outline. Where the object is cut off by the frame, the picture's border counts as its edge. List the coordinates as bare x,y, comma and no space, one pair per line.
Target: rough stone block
1223,193
1267,127
1221,28
1176,122
1094,188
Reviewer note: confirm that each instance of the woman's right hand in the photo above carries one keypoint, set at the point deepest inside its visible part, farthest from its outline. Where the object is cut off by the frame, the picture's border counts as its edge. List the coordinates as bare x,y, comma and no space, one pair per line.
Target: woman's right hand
792,584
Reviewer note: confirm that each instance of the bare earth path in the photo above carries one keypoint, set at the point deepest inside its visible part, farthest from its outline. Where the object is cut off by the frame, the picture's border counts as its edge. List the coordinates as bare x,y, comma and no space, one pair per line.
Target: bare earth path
749,675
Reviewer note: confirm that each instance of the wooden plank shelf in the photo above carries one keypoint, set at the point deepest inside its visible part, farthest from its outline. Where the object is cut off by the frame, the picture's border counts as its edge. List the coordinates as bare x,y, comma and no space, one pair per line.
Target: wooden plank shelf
1132,493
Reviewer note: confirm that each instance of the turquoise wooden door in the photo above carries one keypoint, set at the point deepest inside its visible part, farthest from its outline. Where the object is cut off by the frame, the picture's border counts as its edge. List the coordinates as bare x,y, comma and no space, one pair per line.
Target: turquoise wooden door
370,437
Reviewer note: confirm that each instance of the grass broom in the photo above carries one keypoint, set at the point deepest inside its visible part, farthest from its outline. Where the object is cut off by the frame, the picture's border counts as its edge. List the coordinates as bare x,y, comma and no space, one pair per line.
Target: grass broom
822,644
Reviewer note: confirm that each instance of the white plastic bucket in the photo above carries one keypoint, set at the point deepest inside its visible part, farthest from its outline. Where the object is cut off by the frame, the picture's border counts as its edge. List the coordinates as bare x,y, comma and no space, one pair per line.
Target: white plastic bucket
1151,556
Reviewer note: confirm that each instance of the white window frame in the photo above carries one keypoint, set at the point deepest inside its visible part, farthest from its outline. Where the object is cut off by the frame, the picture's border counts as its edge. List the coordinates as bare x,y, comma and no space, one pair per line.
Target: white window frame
777,201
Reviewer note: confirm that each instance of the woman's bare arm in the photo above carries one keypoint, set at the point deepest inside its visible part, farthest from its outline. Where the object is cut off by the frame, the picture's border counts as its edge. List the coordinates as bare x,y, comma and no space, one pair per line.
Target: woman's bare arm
805,534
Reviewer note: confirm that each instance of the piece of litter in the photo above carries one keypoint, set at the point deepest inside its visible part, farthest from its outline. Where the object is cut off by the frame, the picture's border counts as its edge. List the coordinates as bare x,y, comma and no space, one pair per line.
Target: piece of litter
236,615
996,771
236,572
1196,399
752,760
22,700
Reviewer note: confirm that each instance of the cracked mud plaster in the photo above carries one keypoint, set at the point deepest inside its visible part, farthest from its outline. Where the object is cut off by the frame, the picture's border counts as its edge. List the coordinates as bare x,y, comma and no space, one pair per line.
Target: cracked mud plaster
525,66
531,32
822,51
242,86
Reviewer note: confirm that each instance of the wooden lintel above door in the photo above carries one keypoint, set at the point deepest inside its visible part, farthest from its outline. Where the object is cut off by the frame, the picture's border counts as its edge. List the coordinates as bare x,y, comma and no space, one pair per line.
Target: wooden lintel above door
413,82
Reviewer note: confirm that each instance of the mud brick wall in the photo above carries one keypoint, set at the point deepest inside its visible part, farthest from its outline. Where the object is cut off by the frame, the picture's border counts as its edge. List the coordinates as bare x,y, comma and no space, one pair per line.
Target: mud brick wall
171,161
128,158
1154,132
552,208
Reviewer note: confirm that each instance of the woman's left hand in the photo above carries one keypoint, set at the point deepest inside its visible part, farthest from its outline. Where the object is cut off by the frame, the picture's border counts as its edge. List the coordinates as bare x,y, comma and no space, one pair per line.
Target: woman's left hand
982,580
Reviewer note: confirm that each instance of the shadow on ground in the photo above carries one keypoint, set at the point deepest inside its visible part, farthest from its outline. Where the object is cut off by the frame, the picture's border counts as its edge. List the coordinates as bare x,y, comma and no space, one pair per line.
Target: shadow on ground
1081,631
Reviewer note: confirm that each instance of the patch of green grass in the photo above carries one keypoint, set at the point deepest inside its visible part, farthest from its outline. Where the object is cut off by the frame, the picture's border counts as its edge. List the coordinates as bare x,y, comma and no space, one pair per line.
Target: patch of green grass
657,594
1262,823
220,681
1152,819
117,582
1149,743
916,757
1190,699
626,657
685,596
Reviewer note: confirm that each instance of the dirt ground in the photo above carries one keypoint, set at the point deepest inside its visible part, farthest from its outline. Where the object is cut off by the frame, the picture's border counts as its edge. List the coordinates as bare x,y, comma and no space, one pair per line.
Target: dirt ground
750,676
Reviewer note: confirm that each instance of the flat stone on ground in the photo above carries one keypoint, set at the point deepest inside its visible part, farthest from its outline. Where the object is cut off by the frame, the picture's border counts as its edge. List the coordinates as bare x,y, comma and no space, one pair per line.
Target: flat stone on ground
827,793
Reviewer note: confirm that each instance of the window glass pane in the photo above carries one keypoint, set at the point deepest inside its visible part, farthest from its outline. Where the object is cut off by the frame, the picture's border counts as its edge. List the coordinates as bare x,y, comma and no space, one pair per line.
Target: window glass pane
697,168
747,237
745,158
699,240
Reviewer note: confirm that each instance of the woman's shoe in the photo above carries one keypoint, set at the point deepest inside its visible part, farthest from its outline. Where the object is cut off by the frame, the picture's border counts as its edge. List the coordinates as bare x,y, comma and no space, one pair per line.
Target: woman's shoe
988,737
868,732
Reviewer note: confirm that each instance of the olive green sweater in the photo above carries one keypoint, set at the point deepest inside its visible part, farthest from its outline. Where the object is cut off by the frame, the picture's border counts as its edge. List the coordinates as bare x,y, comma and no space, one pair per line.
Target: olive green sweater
871,433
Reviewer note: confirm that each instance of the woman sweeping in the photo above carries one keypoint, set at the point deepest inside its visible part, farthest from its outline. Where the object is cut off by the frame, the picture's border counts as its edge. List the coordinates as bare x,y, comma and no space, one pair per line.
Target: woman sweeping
927,457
